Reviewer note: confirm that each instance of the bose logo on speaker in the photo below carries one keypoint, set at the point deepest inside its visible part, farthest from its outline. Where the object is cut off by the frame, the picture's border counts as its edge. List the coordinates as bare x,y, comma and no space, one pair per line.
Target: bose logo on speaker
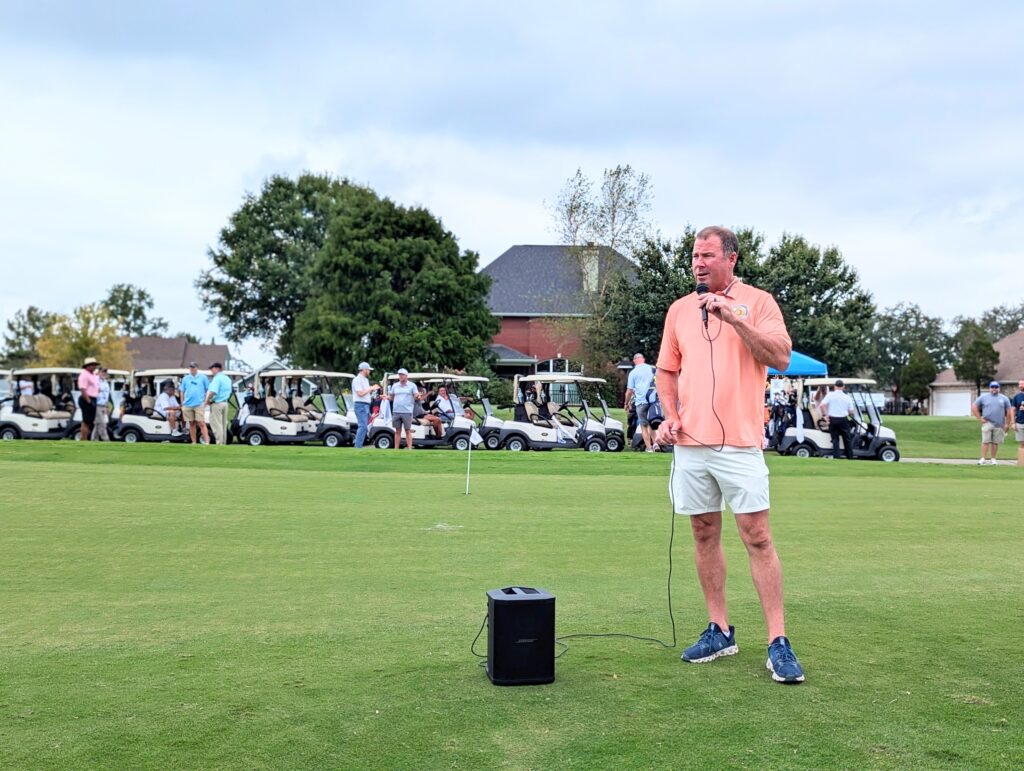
526,640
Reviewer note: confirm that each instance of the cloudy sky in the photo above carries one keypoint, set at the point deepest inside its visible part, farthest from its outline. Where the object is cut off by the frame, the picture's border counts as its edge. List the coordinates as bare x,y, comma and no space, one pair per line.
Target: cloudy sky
893,130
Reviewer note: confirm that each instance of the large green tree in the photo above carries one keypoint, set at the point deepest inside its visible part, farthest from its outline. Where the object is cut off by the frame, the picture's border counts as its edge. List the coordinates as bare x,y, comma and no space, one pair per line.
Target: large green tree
392,287
262,278
828,315
976,358
898,331
24,330
130,306
918,374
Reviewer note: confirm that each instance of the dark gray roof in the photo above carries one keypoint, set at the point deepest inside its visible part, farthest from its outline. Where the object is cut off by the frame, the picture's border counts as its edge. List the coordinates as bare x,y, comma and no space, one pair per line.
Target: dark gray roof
547,280
506,354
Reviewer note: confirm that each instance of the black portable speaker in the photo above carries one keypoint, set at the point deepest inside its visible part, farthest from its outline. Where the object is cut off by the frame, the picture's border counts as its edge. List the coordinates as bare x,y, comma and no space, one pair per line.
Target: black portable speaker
520,636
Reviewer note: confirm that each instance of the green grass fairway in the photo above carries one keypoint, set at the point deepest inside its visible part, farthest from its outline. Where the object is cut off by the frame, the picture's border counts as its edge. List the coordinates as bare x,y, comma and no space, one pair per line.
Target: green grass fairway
231,607
928,437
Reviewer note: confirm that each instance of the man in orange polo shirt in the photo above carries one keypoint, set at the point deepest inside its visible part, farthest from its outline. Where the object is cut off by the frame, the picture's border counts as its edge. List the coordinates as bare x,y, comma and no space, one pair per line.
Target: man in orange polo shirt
711,376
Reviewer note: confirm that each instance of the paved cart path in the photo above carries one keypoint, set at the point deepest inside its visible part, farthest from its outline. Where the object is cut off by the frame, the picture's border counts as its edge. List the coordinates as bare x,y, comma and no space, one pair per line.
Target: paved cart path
955,461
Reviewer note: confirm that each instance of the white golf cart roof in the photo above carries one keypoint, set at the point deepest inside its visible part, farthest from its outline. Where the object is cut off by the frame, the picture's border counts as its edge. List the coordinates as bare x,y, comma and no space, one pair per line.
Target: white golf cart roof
555,377
268,373
45,371
827,381
431,377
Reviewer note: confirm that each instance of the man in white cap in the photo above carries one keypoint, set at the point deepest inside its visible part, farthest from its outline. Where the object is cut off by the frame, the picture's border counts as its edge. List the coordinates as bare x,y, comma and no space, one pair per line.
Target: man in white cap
995,413
362,395
403,395
89,388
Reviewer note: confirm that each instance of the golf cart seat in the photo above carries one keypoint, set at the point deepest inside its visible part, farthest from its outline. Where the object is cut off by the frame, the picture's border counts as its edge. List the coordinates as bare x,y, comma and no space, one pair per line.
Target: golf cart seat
41,406
533,413
148,405
301,407
277,408
554,408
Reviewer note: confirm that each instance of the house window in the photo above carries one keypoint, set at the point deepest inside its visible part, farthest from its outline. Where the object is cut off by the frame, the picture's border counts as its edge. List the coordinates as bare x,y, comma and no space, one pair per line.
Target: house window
565,366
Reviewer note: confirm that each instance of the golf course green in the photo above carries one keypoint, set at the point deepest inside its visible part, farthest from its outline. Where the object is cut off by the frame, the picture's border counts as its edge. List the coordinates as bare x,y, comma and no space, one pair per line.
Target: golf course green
170,606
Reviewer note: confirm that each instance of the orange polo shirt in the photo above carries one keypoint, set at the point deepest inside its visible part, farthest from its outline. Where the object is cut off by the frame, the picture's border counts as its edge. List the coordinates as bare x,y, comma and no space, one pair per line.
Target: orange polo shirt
738,377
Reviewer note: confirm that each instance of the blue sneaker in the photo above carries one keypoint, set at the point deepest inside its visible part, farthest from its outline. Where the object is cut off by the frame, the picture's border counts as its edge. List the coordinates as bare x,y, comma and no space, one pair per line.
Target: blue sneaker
782,662
712,644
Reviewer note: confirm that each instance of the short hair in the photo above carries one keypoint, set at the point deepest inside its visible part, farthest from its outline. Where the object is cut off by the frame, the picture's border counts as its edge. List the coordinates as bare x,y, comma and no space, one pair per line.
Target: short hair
730,243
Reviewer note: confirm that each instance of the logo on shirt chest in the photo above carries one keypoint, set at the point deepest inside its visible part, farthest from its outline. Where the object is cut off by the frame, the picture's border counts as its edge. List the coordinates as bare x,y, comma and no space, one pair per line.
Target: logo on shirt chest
741,311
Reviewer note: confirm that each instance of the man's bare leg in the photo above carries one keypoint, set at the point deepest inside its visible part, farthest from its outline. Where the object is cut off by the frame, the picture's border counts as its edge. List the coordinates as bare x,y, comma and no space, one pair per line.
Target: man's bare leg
710,558
765,568
646,432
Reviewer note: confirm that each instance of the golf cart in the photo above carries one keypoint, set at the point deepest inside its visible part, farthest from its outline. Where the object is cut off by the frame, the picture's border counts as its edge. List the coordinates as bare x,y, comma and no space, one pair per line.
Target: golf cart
810,437
5,383
542,422
269,415
139,419
46,413
308,393
615,436
459,434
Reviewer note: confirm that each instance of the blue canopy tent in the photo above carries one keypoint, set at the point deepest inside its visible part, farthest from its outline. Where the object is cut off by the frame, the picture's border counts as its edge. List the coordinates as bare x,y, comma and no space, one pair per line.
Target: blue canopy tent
801,365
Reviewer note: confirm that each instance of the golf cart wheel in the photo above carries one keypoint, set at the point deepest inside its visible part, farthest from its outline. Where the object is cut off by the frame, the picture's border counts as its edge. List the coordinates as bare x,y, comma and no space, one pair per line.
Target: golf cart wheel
614,444
515,444
461,443
593,445
8,433
253,438
332,439
803,451
889,454
130,436
492,442
384,441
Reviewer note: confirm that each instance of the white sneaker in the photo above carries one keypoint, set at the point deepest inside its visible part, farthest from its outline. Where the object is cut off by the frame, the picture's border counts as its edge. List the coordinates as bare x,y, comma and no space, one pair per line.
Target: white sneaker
993,462
981,462
649,449
175,432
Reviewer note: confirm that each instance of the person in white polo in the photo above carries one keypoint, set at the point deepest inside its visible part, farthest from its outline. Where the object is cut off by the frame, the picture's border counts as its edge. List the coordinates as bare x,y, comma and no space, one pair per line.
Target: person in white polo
362,396
838,407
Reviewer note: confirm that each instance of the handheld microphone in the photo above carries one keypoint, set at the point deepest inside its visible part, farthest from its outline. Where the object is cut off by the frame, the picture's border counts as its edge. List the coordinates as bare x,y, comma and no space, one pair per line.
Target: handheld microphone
702,289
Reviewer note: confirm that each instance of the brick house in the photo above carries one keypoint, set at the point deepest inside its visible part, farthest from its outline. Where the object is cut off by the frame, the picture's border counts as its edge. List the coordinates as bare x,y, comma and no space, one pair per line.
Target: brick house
534,286
950,396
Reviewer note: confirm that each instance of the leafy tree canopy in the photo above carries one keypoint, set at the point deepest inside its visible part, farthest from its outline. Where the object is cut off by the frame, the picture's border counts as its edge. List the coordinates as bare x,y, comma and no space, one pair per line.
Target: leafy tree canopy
262,274
898,331
976,358
22,336
89,331
392,287
828,314
918,374
130,306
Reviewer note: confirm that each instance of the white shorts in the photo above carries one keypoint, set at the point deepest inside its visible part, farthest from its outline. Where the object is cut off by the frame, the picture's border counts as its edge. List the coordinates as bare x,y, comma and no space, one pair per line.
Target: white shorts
702,480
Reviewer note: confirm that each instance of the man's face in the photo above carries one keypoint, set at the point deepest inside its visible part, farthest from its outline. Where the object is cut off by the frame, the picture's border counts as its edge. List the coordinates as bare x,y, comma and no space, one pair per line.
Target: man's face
1020,385
710,265
403,379
993,389
193,370
638,360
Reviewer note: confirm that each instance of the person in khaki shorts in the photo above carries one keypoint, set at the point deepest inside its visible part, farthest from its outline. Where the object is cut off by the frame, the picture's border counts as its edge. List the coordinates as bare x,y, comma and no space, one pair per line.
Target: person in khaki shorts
715,353
192,392
217,395
995,413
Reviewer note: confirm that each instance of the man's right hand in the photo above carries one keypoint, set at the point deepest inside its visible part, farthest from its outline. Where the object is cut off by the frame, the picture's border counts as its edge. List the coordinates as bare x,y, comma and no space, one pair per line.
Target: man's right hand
668,430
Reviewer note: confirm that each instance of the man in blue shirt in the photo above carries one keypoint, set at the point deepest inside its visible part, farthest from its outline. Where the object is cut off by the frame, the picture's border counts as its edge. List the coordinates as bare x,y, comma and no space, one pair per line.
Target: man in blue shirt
192,393
640,380
1018,427
217,395
995,413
